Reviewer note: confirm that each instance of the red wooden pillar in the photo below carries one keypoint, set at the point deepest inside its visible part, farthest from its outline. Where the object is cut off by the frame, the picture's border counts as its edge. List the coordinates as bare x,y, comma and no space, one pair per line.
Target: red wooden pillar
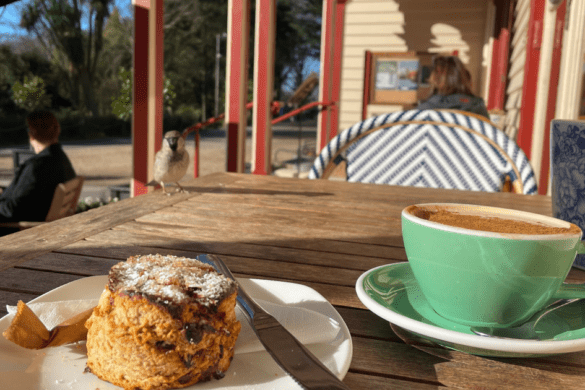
529,87
264,45
336,71
552,96
147,94
500,54
325,80
236,86
367,83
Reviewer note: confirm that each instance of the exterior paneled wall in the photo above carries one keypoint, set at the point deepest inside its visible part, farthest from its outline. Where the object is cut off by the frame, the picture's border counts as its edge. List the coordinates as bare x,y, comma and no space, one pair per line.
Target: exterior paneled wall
516,70
436,26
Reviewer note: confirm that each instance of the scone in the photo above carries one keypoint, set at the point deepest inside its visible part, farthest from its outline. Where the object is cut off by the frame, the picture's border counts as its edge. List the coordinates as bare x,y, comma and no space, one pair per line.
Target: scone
162,322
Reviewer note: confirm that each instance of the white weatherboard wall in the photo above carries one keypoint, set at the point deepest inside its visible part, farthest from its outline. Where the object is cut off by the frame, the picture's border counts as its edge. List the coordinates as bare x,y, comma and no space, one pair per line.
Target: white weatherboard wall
436,26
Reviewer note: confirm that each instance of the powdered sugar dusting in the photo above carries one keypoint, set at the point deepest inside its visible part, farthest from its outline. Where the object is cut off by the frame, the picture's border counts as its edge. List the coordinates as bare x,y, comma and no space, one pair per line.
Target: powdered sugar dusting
171,279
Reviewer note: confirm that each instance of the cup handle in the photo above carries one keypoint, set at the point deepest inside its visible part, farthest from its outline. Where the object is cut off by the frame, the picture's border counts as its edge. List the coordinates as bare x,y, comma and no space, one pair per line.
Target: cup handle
581,247
572,291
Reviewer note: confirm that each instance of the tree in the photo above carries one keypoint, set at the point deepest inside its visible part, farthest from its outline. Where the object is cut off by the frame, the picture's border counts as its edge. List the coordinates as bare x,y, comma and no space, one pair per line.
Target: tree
298,42
31,94
122,104
57,25
190,33
22,61
117,53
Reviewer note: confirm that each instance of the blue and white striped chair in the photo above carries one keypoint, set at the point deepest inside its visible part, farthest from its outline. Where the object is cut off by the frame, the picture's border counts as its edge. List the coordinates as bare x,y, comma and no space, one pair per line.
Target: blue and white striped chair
428,148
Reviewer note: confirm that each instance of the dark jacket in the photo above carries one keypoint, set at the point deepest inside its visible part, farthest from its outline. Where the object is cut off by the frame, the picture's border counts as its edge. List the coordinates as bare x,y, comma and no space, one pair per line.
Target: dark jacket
457,101
29,196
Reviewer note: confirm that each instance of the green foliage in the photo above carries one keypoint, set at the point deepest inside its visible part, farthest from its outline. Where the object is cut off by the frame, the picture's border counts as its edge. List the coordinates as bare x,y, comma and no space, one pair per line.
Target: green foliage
92,203
82,50
122,103
57,24
169,93
188,112
30,94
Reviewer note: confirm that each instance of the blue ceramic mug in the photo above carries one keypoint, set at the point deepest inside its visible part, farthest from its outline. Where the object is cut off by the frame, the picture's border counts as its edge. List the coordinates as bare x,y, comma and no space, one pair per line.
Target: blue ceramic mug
567,158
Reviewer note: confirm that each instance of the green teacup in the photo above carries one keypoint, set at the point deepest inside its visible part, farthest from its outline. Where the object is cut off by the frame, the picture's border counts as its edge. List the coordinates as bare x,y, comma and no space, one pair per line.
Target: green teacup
489,278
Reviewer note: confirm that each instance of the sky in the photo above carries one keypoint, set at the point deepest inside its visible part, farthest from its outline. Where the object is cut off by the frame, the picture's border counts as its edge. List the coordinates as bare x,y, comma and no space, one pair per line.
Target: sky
10,17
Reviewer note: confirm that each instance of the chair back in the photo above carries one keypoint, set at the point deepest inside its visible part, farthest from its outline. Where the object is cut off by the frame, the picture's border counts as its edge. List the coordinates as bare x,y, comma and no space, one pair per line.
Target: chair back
412,148
481,125
65,199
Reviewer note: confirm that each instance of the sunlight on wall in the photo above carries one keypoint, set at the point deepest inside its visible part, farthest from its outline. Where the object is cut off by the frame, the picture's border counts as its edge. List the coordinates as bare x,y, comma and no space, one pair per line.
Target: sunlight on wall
448,39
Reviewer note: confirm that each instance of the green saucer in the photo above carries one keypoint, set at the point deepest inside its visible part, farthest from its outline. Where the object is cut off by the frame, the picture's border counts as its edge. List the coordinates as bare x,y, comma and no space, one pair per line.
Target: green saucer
392,292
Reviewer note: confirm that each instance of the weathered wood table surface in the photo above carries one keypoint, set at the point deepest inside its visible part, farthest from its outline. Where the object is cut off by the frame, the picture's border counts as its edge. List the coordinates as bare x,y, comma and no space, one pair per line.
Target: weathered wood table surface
323,234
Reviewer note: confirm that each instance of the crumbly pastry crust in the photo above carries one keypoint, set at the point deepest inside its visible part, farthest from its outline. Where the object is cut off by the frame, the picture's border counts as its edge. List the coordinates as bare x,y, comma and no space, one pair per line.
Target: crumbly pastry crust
162,322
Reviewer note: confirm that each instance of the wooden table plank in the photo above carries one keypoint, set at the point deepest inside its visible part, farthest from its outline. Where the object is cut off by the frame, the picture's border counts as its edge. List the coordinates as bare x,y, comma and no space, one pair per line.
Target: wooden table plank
33,282
393,359
354,192
367,382
216,242
386,235
252,266
70,264
190,229
47,237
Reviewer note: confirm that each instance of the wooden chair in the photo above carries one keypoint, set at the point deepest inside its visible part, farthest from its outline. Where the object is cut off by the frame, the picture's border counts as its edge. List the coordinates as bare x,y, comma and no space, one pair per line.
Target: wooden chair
428,148
63,205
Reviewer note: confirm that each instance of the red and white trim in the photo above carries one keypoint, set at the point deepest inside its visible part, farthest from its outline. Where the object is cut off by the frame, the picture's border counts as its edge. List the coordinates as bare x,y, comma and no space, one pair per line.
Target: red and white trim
147,94
236,86
500,55
326,71
264,45
547,95
529,87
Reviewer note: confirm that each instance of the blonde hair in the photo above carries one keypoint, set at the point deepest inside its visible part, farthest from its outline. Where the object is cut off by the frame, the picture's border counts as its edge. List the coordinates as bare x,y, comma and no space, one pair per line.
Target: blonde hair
43,126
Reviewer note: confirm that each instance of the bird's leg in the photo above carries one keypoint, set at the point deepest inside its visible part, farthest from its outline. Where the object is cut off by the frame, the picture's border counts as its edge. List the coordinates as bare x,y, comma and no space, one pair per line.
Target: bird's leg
180,188
164,189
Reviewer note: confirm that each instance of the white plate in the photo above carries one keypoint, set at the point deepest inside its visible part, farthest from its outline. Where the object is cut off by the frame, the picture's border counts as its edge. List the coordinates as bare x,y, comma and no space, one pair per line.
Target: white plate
392,292
62,367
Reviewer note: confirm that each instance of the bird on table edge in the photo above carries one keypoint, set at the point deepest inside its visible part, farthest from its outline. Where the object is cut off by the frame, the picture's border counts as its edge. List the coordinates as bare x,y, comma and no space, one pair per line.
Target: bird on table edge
171,161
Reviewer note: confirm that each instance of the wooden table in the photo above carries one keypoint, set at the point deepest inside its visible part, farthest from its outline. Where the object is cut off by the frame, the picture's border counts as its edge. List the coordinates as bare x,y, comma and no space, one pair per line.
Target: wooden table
323,234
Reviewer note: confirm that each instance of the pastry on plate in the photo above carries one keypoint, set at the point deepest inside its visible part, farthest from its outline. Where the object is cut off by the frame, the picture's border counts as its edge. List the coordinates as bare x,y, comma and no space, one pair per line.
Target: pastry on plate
162,322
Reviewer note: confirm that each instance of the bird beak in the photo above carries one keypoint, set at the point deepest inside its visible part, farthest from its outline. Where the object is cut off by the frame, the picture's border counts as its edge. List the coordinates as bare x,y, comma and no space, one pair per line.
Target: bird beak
173,143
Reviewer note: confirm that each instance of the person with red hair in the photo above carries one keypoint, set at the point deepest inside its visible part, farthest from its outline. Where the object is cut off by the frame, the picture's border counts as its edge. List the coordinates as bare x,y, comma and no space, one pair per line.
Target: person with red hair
29,196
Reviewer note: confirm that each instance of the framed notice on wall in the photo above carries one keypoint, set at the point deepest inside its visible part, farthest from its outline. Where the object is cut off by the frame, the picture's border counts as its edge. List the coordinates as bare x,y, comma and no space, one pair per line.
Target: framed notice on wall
399,78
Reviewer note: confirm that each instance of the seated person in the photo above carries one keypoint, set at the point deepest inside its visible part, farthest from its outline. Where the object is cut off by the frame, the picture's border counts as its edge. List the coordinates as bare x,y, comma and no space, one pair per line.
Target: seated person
451,83
29,196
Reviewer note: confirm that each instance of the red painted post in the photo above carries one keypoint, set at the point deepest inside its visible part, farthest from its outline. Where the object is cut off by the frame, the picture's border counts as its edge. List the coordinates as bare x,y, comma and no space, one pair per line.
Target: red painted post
367,83
337,56
529,88
236,88
500,55
140,99
552,96
325,81
157,34
264,46
147,113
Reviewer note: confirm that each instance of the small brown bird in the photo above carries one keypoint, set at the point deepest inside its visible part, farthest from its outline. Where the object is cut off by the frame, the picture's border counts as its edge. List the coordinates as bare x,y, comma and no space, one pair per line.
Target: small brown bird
171,161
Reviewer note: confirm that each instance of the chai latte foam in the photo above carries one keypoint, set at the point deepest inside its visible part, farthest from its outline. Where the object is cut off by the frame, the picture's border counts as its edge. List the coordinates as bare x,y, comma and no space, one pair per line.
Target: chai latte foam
489,224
